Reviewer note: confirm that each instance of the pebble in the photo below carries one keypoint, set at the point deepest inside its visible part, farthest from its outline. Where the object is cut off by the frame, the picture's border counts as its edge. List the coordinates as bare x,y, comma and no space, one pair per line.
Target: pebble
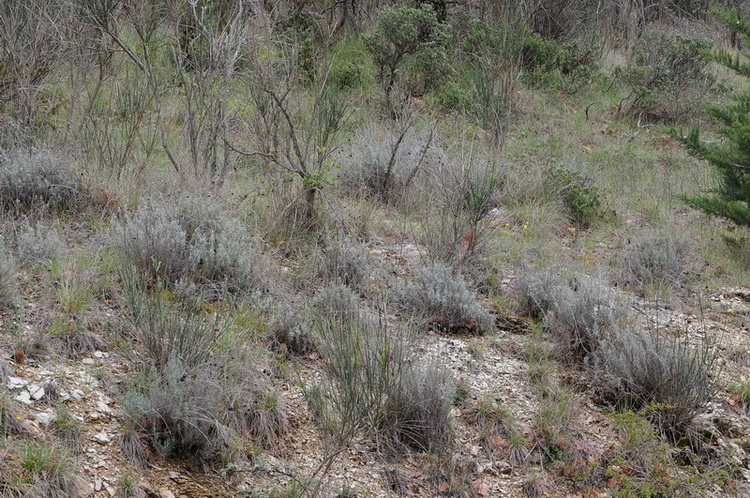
165,493
45,418
77,394
102,438
100,354
88,361
36,391
98,485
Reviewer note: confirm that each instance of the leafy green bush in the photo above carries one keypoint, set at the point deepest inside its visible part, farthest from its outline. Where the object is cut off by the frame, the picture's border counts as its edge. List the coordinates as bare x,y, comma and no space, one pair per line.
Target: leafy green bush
579,194
442,300
669,76
409,49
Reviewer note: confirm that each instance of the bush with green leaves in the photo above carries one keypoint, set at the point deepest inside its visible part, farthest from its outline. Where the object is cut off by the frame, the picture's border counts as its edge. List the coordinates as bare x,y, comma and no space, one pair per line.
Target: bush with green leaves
665,376
654,259
443,301
579,194
374,383
669,76
190,245
409,49
8,277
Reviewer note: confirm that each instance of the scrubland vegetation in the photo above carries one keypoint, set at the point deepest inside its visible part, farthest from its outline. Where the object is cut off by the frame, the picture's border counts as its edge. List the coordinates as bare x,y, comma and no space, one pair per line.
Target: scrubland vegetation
257,229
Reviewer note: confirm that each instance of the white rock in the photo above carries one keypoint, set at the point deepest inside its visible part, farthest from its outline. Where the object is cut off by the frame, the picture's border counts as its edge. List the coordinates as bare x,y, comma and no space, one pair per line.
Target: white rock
112,491
101,437
77,394
45,418
16,382
98,485
63,395
24,397
102,407
88,361
36,391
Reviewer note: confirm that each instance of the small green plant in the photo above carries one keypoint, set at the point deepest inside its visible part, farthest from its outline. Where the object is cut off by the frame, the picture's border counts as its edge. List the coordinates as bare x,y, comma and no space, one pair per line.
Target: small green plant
580,196
36,468
442,300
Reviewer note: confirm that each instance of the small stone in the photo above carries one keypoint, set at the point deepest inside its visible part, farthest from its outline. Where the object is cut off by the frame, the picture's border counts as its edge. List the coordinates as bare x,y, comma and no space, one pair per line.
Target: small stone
77,394
100,354
64,396
45,418
101,437
174,475
112,491
475,450
36,391
24,397
98,485
165,493
88,361
102,407
16,382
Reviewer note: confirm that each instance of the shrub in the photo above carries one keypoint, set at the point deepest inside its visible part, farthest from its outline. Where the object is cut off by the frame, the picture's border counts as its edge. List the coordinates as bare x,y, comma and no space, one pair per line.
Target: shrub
36,468
189,245
443,301
291,334
39,244
346,263
579,194
654,260
456,232
669,75
408,44
664,375
190,394
385,163
534,290
37,180
373,383
8,278
416,413
579,311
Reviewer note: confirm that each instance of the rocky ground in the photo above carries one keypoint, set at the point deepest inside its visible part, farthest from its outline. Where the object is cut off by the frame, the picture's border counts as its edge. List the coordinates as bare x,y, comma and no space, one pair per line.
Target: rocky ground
492,368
